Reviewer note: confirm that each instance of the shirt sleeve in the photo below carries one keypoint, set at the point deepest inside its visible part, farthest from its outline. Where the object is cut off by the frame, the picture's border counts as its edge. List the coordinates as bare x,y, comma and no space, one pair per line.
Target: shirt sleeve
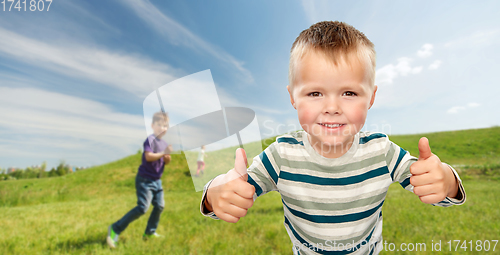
460,198
399,162
262,174
203,209
265,169
147,145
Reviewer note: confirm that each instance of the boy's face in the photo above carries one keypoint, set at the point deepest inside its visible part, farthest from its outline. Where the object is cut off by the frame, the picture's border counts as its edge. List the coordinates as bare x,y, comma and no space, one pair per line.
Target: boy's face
332,101
159,128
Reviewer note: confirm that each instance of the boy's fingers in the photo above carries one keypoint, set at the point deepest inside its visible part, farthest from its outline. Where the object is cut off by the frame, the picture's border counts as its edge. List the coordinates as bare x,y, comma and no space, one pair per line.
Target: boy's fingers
245,190
424,149
227,217
432,198
419,180
418,168
236,210
424,190
230,212
241,202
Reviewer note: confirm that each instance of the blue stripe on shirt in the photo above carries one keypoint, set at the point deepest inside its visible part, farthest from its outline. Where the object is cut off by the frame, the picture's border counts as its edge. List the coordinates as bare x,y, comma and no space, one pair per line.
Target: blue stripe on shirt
289,140
269,167
402,153
333,181
258,190
405,183
366,139
334,218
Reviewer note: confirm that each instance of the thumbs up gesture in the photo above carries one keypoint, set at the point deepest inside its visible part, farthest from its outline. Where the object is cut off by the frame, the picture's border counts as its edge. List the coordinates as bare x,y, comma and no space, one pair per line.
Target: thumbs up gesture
230,196
432,180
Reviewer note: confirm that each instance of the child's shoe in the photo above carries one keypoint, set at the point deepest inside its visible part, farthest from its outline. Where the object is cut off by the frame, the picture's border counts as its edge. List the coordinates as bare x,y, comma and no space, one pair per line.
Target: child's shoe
112,238
153,236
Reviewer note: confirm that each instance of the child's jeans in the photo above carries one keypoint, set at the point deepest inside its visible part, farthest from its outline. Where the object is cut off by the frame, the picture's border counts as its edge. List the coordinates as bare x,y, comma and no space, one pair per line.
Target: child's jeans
148,191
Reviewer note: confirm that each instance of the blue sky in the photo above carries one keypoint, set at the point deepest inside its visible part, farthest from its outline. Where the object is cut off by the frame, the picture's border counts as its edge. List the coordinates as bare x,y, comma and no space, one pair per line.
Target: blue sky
73,79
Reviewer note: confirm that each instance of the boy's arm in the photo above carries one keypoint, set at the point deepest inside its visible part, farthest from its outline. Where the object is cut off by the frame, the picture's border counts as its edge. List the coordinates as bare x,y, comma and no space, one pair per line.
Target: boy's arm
433,181
152,156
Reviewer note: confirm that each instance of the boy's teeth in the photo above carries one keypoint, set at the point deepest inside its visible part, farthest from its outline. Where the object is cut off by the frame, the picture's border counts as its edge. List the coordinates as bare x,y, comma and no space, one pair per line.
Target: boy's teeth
332,125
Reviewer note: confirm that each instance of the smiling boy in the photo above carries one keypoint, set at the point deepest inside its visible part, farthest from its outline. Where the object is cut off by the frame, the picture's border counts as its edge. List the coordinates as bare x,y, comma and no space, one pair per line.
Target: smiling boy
332,177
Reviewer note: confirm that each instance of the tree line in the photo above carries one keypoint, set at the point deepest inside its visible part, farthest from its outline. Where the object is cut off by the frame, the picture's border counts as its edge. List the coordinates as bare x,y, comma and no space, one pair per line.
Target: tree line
37,172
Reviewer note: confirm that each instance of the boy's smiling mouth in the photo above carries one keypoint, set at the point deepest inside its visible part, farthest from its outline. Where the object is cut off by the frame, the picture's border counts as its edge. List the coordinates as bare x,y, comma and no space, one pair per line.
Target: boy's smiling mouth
331,125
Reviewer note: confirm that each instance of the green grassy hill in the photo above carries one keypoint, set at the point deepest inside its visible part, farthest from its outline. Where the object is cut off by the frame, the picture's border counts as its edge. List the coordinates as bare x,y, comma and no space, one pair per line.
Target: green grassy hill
463,147
70,214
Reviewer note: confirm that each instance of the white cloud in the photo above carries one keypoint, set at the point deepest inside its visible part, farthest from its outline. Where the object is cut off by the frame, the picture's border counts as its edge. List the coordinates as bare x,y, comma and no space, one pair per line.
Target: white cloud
387,73
51,112
177,34
54,126
133,73
425,51
403,66
456,109
435,65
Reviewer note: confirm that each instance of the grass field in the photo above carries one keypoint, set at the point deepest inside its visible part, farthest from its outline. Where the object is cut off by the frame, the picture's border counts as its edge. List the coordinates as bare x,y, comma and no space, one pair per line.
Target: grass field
70,214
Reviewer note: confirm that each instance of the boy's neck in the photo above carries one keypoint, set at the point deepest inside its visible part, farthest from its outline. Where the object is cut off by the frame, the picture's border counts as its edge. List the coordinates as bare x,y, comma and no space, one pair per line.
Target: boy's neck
329,151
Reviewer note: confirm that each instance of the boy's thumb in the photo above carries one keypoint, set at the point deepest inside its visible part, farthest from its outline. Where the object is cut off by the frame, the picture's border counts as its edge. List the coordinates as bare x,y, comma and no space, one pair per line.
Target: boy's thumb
423,148
240,164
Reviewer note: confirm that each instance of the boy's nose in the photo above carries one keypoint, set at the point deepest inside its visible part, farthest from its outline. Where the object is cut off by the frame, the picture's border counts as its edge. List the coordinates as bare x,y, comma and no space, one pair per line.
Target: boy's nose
331,106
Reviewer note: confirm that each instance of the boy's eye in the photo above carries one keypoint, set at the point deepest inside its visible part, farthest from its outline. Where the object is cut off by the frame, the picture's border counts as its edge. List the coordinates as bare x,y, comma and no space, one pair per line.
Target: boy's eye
315,94
349,94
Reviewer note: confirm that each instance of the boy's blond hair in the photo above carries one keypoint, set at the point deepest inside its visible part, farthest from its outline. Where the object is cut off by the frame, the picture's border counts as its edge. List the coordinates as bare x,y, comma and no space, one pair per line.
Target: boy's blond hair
161,116
336,41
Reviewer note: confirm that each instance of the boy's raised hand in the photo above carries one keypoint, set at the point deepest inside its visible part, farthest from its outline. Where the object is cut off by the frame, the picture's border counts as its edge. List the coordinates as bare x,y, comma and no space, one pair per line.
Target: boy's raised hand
230,196
166,156
432,180
166,159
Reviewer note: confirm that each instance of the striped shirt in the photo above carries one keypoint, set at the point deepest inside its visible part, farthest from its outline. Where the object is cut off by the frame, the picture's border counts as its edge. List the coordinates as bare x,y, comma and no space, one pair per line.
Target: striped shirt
333,205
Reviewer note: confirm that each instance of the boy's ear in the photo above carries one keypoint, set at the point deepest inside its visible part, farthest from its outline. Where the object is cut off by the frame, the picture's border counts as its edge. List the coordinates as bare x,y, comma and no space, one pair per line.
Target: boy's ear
373,97
291,96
